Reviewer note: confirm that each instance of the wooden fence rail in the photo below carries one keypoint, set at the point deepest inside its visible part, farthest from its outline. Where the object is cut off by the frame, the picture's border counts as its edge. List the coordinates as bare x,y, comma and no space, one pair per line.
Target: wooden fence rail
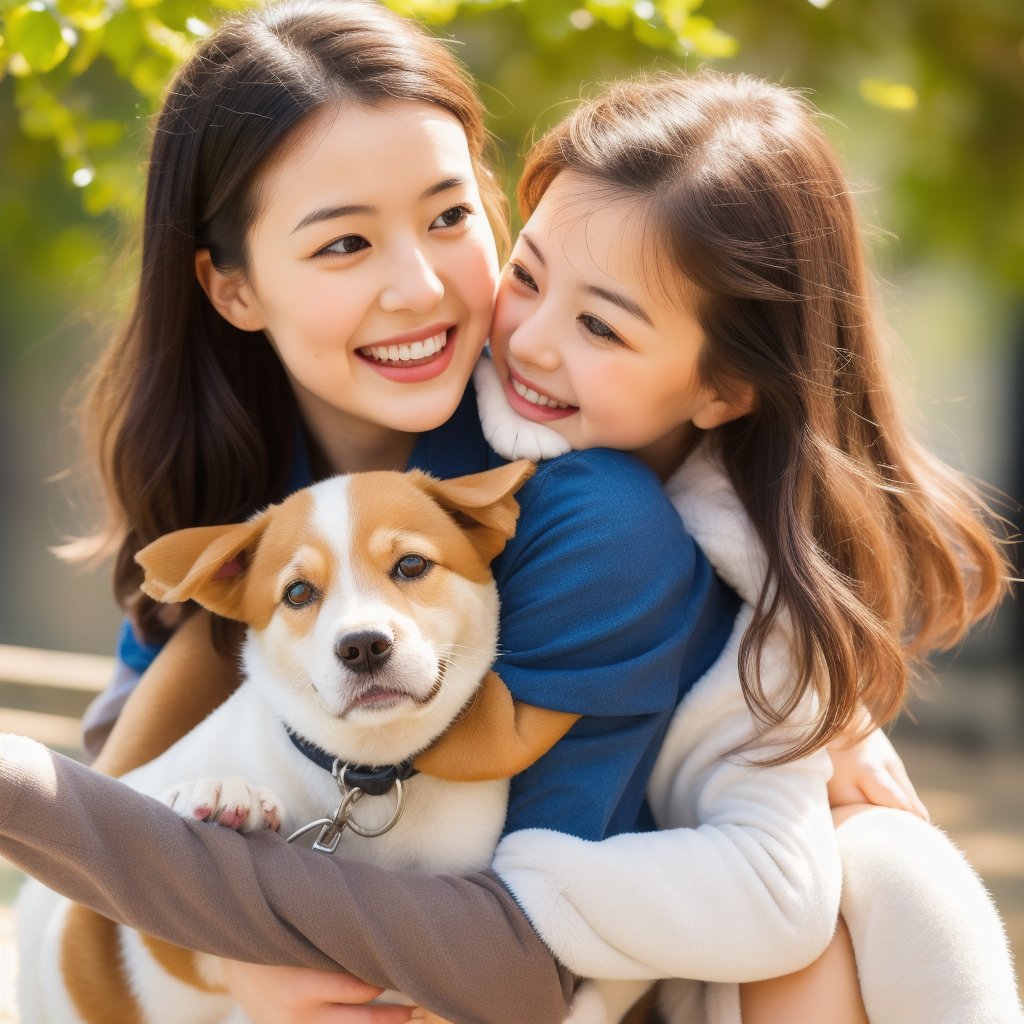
43,693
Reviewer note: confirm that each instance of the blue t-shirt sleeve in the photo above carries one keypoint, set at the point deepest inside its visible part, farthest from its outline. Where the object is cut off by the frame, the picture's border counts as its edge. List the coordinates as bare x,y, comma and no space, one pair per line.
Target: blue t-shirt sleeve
133,652
597,607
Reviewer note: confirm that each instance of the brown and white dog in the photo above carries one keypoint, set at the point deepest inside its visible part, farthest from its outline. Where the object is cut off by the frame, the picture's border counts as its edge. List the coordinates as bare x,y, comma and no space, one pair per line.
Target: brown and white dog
372,620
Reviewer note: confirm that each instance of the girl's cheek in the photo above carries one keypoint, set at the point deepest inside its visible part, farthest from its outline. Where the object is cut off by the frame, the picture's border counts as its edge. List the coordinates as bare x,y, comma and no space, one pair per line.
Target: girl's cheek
479,264
504,321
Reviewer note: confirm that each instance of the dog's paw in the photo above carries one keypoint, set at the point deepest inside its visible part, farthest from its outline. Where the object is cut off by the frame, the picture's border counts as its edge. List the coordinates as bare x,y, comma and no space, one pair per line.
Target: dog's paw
231,802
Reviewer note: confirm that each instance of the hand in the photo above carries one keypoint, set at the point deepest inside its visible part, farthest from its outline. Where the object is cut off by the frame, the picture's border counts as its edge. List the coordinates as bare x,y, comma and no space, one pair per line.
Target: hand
300,995
870,770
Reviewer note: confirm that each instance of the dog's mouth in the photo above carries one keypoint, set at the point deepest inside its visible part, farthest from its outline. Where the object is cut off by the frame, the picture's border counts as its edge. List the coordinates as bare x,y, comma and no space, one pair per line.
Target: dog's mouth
381,697
435,689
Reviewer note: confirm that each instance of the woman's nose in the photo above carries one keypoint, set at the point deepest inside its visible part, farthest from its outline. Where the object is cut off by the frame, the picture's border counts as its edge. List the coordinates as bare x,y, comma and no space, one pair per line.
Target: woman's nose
415,285
532,342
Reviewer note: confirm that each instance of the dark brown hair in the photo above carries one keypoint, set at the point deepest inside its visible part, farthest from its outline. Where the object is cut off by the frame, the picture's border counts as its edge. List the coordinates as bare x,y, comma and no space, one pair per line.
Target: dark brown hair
877,551
187,415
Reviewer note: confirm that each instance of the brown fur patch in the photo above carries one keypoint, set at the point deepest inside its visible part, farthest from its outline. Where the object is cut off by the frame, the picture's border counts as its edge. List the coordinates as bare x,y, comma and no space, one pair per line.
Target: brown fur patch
291,539
188,563
179,963
90,960
385,508
496,737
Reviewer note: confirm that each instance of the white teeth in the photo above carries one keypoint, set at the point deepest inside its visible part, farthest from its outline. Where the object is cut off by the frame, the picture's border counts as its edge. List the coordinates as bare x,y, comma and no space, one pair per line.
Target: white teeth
534,398
407,353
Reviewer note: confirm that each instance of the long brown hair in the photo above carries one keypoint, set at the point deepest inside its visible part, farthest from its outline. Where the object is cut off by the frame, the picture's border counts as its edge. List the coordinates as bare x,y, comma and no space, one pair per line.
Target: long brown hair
186,415
877,551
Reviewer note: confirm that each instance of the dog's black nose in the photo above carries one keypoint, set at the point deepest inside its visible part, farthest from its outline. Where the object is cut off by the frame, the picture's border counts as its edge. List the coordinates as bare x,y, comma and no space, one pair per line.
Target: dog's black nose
364,650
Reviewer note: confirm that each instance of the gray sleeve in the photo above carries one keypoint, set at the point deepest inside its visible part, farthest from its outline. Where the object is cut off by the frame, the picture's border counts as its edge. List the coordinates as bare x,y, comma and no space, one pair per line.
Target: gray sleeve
461,947
104,709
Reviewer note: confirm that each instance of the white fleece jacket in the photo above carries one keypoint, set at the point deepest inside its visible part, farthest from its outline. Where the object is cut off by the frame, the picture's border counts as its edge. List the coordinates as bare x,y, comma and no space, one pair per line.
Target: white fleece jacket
745,881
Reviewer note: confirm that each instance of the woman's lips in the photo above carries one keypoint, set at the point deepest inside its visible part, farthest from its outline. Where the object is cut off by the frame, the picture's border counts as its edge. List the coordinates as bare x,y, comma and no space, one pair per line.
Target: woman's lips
410,362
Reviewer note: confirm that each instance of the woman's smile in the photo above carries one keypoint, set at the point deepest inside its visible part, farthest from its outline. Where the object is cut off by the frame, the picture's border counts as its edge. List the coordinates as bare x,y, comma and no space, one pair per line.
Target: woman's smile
413,357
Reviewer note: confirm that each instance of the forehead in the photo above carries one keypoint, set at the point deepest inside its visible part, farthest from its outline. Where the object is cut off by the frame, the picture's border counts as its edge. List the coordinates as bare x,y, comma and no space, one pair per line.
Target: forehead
605,237
382,155
593,230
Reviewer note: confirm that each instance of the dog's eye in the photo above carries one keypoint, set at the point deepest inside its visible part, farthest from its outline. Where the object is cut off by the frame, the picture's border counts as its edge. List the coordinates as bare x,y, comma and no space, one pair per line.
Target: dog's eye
409,567
299,593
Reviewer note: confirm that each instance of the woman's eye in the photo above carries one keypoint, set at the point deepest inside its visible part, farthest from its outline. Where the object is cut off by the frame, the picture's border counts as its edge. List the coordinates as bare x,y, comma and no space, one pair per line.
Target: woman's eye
451,217
299,593
522,275
345,246
410,567
598,328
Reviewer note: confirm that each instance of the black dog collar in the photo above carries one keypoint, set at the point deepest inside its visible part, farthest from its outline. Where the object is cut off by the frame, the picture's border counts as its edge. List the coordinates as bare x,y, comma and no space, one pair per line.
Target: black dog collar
372,781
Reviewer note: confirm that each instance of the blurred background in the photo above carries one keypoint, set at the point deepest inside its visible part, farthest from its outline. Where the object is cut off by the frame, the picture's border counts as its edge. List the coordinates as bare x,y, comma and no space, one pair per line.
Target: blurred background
925,100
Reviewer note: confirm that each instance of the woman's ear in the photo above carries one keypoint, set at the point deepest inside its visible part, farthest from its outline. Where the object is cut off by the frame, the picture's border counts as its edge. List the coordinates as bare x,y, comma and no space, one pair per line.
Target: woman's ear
718,408
229,294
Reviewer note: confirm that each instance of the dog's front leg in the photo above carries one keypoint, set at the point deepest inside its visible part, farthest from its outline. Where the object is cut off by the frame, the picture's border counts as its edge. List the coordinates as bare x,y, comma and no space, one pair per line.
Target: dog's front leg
231,802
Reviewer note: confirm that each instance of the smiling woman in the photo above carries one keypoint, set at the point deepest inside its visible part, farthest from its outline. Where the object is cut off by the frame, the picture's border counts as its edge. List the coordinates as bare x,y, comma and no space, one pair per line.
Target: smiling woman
370,276
580,331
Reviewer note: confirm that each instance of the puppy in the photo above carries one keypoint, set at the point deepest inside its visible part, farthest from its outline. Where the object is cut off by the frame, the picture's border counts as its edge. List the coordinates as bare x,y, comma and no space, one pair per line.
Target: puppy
372,620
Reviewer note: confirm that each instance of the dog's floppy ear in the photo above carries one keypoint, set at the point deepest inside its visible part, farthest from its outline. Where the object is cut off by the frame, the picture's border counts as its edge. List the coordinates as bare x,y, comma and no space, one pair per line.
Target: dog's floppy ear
203,563
484,503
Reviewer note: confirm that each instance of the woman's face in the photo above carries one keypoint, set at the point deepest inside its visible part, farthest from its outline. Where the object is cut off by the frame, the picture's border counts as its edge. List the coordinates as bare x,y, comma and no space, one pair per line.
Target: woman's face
372,270
585,346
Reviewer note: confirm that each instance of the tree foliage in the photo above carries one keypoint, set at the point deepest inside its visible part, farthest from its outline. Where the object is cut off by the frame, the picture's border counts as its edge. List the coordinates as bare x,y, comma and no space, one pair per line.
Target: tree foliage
932,91
58,53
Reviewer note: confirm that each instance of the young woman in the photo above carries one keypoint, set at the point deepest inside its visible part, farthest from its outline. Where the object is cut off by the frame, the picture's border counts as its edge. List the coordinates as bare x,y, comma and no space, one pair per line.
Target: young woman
691,249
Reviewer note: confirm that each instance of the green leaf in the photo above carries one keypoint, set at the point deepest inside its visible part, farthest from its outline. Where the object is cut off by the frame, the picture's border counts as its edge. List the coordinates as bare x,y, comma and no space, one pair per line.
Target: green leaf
103,134
437,12
35,34
706,38
90,46
676,12
614,13
550,23
175,46
655,36
85,14
150,74
99,196
889,95
122,40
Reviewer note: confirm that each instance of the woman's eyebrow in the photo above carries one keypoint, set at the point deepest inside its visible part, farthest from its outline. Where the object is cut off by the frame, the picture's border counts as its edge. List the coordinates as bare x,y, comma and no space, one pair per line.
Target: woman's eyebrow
533,248
456,181
622,301
333,212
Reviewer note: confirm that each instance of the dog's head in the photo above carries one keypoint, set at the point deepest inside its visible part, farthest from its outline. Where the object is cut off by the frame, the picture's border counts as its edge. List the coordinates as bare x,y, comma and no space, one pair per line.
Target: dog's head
371,607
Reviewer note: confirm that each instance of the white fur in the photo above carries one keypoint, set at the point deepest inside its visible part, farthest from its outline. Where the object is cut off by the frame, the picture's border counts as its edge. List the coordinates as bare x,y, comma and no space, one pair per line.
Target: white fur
746,884
512,436
929,943
450,827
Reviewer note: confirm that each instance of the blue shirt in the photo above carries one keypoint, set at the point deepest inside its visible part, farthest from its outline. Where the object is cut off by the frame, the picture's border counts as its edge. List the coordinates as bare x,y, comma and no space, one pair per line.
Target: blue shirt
608,609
